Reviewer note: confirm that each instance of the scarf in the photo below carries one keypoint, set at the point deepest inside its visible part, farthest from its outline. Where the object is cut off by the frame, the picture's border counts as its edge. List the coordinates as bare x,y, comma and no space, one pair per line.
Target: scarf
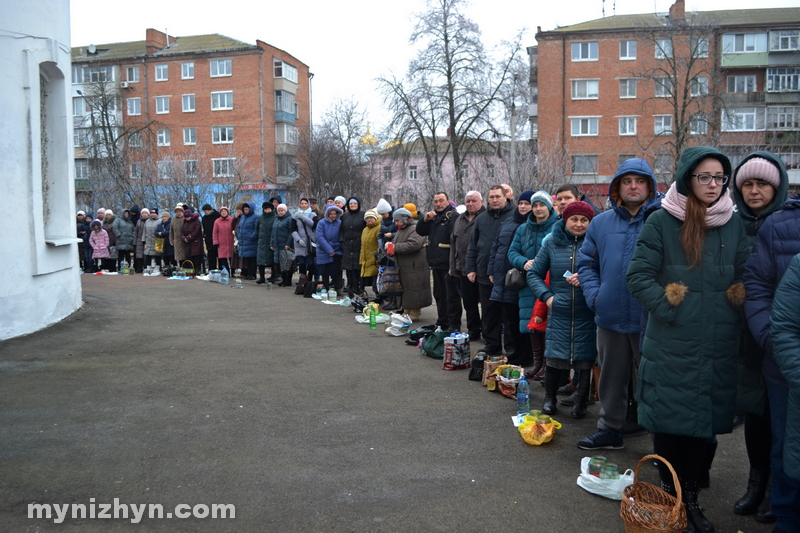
717,215
304,211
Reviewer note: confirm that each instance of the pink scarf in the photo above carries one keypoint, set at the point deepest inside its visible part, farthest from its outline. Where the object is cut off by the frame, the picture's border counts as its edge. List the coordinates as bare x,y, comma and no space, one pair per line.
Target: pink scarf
716,215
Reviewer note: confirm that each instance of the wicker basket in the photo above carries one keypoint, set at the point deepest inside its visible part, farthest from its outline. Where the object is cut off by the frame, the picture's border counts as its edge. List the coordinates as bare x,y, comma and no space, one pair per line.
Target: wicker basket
646,508
188,271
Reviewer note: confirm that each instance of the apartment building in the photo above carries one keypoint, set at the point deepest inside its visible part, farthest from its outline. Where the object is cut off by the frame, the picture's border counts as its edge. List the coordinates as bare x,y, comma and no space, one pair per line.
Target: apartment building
203,118
649,85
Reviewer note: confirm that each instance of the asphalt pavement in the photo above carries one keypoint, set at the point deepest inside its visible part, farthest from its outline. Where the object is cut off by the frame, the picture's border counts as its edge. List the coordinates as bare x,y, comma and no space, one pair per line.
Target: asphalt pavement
192,393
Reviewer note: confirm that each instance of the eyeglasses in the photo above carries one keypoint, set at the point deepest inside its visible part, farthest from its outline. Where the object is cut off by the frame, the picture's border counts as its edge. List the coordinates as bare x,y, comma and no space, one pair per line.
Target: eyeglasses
705,179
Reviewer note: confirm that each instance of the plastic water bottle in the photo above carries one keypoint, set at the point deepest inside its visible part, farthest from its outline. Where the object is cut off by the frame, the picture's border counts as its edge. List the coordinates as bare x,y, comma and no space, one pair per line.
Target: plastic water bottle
523,398
123,267
332,295
225,277
320,288
373,320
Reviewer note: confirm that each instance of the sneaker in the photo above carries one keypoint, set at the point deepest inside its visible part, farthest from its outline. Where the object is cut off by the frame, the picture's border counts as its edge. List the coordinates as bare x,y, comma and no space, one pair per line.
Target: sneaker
604,439
566,390
570,400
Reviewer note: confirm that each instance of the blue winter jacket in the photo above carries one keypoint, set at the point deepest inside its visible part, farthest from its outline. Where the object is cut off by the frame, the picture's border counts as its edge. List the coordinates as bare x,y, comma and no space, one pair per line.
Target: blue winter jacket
247,233
527,243
606,252
282,233
328,237
498,259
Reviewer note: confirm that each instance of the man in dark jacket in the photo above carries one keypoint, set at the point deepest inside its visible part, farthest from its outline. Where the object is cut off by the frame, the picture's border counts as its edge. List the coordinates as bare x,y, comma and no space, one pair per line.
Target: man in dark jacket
459,244
210,215
602,263
437,225
487,224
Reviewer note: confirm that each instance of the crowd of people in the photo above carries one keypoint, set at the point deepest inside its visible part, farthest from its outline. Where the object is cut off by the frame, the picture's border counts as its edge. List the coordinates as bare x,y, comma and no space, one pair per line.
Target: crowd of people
672,309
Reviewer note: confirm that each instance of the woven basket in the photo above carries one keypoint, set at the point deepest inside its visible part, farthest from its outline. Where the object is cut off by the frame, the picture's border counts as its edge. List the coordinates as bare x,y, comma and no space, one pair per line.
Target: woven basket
188,271
646,508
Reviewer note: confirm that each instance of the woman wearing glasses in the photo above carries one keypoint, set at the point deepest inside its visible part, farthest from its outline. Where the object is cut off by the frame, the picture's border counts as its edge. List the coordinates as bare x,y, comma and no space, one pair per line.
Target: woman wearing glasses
687,271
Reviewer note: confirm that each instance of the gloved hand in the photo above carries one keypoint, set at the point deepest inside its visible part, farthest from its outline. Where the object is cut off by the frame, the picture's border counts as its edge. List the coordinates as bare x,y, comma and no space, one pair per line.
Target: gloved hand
301,242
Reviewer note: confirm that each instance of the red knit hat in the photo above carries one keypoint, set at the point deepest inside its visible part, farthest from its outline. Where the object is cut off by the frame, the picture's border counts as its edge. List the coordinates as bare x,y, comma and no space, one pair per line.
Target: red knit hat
577,208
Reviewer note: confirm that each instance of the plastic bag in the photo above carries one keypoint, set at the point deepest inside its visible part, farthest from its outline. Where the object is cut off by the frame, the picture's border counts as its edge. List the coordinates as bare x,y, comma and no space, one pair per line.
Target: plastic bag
456,352
537,433
433,344
379,319
607,488
505,385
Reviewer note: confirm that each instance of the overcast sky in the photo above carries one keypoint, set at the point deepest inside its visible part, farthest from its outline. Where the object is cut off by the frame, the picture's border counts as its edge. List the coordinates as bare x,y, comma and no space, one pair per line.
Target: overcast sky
347,43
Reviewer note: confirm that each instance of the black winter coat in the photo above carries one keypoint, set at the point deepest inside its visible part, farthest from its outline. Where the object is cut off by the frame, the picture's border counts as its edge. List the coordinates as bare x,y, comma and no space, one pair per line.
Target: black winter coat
498,259
350,237
208,228
438,231
485,229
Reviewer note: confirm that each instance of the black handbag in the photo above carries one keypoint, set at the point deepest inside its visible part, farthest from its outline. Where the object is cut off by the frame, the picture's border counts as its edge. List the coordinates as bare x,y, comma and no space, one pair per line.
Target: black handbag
515,279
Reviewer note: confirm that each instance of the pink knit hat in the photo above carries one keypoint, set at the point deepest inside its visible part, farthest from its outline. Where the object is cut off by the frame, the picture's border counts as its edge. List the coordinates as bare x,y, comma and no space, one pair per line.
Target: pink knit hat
758,168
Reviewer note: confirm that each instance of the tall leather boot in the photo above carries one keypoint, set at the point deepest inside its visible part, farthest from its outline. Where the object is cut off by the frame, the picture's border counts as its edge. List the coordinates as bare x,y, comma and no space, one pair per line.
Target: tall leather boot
708,459
696,520
261,271
579,408
757,483
551,380
537,372
286,276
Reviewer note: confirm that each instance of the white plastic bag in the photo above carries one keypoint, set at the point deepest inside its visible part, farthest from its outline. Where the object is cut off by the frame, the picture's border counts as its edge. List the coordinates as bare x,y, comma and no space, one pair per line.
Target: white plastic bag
607,488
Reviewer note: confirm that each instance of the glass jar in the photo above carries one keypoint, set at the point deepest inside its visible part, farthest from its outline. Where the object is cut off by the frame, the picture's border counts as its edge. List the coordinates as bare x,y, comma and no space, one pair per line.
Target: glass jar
609,471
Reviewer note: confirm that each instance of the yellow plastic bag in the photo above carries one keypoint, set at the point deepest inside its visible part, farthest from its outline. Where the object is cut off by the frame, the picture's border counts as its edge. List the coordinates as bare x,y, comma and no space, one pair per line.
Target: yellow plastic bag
537,433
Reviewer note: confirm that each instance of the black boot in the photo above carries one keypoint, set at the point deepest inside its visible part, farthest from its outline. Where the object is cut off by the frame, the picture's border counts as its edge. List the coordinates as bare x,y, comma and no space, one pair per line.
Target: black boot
696,520
757,483
261,271
764,514
668,487
579,408
708,459
551,380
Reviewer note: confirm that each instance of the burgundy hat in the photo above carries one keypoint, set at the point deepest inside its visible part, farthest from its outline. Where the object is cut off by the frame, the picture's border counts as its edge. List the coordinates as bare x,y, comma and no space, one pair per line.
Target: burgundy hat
578,208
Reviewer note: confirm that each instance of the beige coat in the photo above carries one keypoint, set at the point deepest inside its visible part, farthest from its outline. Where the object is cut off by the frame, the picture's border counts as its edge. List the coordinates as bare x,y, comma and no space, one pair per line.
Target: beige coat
413,267
176,238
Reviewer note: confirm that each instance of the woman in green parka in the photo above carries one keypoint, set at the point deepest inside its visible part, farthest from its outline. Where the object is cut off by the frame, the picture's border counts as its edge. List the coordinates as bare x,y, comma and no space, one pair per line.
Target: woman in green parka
687,271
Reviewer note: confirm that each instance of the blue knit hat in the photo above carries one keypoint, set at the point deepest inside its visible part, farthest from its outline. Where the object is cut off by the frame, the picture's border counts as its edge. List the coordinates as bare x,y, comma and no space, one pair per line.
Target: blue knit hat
525,196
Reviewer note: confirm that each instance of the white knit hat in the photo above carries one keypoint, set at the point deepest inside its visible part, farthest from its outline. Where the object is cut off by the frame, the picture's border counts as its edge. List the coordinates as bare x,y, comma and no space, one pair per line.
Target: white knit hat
383,207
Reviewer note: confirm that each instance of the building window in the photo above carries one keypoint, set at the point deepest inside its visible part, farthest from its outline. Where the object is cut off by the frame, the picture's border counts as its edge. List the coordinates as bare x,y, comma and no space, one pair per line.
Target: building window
222,100
584,51
222,134
743,119
162,104
663,86
584,164
490,171
187,70
285,70
585,89
81,169
134,106
189,136
627,88
784,40
782,79
190,168
78,106
188,103
663,124
80,137
162,138
284,101
627,50
285,134
92,74
741,84
624,157
584,126
782,118
135,139
698,125
739,43
132,74
287,166
223,168
162,72
463,172
164,170
662,164
412,172
699,86
387,173
699,47
221,67
627,125
136,171
663,48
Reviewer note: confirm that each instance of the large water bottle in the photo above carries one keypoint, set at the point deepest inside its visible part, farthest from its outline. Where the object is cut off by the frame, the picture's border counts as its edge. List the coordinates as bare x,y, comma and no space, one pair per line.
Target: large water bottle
523,398
332,295
225,277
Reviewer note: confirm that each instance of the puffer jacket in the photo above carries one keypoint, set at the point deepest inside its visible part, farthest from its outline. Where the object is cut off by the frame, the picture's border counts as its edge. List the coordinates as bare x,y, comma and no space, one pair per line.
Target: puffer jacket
526,244
246,232
438,231
125,232
409,255
571,333
282,232
485,229
350,236
223,236
150,229
328,237
498,259
304,234
369,245
607,250
264,225
98,240
192,233
162,230
108,225
459,242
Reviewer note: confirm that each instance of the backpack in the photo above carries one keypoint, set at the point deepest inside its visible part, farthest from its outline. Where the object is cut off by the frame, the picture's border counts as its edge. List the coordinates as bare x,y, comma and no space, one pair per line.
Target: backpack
309,288
301,285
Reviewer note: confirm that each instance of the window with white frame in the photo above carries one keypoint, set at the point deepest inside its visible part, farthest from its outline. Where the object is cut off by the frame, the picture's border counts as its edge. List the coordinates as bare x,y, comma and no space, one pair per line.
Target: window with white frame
584,164
627,50
134,106
463,172
190,168
584,51
284,101
627,125
782,79
187,70
662,164
189,136
222,100
741,84
582,126
162,72
489,170
164,169
627,88
78,106
223,168
741,119
95,74
412,172
287,165
81,169
663,124
188,103
162,104
784,40
135,139
285,134
698,86
783,118
663,48
80,137
132,74
741,43
662,86
698,125
387,173
221,67
222,134
136,171
585,89
162,137
285,70
699,47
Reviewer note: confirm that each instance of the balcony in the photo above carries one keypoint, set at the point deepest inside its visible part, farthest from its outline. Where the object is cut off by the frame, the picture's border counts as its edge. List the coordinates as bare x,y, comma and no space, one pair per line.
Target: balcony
82,185
752,59
284,117
760,98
